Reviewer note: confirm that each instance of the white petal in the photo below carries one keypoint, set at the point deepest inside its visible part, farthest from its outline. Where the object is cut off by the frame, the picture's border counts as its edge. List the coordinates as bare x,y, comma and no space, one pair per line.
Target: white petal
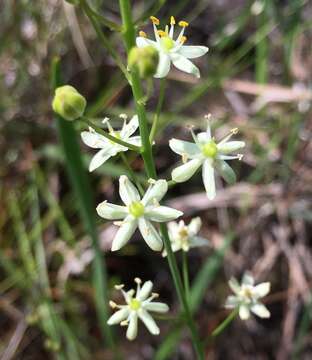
197,241
194,226
142,42
124,233
231,302
209,180
162,214
118,316
94,140
148,322
111,211
262,289
248,279
99,158
150,234
130,128
234,285
184,148
145,291
192,52
230,146
127,191
155,192
183,64
225,170
186,171
156,307
132,330
163,65
135,140
204,137
260,310
244,312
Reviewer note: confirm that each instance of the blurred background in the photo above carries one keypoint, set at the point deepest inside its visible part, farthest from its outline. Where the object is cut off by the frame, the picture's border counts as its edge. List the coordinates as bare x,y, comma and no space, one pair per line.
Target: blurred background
257,76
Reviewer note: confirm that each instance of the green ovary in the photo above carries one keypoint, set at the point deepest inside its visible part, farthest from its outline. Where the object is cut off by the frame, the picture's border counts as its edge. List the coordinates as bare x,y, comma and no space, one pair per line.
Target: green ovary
135,304
167,43
136,209
210,149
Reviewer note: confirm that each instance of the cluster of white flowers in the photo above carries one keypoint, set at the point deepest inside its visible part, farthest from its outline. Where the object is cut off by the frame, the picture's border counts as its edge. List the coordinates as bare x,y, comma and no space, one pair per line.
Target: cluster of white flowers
143,211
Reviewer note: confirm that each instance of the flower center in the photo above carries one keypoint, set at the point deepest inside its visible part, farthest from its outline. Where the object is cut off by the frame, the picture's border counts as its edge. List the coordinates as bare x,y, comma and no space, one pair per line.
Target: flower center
135,304
210,149
183,233
247,293
116,134
136,209
167,43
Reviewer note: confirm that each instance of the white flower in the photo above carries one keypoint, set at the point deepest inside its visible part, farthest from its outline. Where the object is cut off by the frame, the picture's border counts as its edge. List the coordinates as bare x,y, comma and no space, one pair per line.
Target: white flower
110,148
137,307
183,237
210,155
171,50
138,213
247,297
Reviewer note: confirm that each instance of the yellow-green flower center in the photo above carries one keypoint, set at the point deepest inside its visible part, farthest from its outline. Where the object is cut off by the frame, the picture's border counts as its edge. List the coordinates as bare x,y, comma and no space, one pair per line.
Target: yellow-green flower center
136,209
135,304
167,43
210,149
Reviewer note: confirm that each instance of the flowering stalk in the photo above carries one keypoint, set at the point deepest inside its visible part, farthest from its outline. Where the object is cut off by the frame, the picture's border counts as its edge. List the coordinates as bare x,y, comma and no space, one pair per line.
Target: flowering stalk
219,329
129,39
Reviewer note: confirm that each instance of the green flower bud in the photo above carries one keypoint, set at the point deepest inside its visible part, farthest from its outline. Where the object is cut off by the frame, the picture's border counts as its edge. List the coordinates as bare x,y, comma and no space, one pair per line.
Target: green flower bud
68,103
144,60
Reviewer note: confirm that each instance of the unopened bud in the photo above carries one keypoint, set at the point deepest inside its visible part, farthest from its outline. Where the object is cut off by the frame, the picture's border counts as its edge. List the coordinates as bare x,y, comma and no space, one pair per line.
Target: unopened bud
68,103
144,60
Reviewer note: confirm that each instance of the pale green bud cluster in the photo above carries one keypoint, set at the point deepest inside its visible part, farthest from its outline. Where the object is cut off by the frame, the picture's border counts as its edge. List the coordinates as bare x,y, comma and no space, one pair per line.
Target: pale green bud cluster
144,60
68,103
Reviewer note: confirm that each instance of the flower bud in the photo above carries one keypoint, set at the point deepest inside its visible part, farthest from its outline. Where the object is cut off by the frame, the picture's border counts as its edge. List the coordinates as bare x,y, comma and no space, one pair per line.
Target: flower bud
144,60
68,103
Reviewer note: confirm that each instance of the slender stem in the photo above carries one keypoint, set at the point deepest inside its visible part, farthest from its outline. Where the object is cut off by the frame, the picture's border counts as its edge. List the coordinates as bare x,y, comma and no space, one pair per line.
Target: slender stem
109,136
185,275
129,39
102,37
158,108
225,323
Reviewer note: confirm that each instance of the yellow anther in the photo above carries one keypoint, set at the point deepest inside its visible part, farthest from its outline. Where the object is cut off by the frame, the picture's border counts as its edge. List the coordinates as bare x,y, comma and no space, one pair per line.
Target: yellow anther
154,20
161,33
142,34
172,20
112,304
183,39
183,23
234,131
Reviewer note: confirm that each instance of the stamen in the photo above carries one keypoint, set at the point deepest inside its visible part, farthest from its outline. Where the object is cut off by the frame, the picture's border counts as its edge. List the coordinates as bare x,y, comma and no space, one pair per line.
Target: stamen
155,202
104,121
183,23
183,39
161,33
138,280
123,116
119,287
142,34
151,181
154,20
208,116
172,20
240,156
184,158
124,323
112,304
118,223
234,131
167,30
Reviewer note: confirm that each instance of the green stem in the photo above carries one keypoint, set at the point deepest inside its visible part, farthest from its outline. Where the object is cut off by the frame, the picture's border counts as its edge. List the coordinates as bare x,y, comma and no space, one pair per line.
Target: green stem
102,37
225,323
109,136
82,189
185,275
129,39
158,109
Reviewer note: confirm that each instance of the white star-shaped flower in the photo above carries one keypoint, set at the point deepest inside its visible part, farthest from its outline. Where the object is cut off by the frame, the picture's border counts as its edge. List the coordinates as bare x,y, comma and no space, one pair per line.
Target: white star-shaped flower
138,212
210,155
171,50
107,147
247,296
183,237
137,307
